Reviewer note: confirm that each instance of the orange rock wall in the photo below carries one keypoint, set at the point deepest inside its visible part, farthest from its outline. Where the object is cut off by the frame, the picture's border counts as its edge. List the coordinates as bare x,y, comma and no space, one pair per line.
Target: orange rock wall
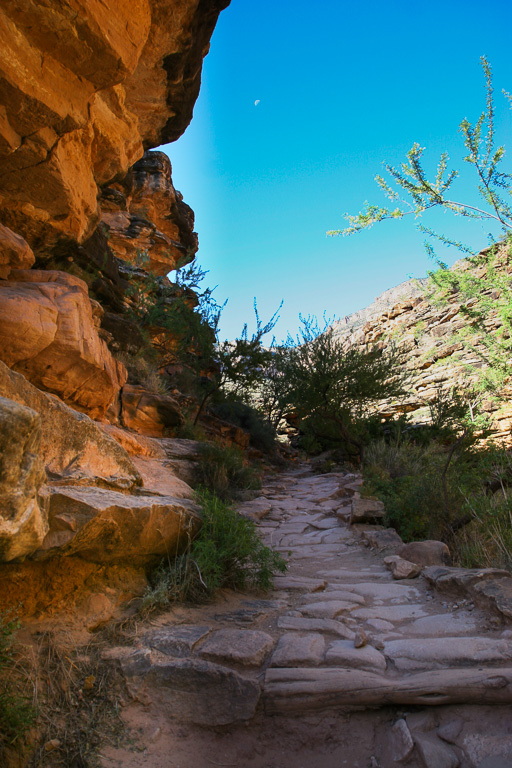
85,87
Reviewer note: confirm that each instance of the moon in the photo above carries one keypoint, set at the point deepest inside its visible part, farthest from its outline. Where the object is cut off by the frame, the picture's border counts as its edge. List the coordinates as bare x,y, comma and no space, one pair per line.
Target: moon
257,102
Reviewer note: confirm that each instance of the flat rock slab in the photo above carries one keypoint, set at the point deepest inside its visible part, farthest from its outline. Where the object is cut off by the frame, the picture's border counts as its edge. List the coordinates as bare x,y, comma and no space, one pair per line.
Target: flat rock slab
390,591
327,609
444,624
300,624
177,641
324,525
414,653
342,653
299,582
460,580
200,692
237,646
307,690
355,577
295,650
391,612
336,594
251,611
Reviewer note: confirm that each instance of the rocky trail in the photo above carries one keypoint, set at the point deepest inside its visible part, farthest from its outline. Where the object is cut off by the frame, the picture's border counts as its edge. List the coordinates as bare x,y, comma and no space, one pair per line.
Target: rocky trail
341,665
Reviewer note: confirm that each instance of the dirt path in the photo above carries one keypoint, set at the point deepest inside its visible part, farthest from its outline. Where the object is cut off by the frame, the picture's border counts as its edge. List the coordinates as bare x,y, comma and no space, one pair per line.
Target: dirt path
339,666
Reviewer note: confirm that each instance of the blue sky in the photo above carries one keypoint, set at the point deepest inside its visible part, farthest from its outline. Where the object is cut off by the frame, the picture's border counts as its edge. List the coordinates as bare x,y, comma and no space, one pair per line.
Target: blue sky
342,88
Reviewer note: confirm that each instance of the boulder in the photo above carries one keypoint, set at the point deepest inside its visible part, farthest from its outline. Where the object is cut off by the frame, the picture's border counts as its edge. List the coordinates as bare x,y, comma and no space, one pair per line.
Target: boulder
15,252
23,523
149,413
366,511
496,593
74,449
201,692
49,332
402,569
105,526
425,553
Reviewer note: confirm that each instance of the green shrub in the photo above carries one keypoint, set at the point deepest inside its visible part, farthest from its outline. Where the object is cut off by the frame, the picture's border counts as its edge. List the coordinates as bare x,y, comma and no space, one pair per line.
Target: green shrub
465,510
224,471
227,553
17,713
487,540
142,369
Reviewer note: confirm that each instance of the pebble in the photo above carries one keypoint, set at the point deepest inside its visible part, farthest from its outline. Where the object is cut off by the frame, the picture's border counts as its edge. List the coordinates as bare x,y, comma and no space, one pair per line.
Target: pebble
51,745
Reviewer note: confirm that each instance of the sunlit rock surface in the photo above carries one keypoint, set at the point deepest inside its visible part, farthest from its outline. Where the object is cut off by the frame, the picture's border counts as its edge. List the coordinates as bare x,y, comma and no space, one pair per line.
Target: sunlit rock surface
85,87
49,332
23,523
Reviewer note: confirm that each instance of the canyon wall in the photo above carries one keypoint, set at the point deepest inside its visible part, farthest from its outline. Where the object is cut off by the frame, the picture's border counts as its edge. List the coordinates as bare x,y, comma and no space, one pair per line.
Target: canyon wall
87,212
432,358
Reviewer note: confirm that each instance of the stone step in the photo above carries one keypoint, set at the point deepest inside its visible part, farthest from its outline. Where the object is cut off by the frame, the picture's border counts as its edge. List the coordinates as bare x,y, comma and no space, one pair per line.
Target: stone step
301,690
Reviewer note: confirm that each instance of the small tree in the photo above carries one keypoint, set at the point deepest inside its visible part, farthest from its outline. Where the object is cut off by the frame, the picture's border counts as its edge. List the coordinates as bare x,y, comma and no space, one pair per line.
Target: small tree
414,194
239,364
332,390
482,286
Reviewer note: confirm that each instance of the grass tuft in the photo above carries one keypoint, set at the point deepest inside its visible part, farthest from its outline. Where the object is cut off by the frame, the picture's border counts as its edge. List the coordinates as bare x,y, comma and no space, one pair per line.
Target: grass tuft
227,553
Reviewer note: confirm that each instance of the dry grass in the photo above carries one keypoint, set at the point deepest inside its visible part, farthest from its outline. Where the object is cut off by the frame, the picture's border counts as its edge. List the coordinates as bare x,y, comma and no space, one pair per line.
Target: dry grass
78,698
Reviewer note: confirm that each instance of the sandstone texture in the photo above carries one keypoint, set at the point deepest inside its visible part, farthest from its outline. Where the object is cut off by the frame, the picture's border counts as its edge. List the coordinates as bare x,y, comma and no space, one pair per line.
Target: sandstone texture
425,552
147,221
85,88
202,692
23,522
366,510
148,413
74,449
49,332
106,526
402,569
15,252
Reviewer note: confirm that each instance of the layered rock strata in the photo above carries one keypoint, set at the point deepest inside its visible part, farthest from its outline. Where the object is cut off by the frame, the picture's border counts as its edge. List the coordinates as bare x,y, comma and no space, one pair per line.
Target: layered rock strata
85,88
432,359
49,332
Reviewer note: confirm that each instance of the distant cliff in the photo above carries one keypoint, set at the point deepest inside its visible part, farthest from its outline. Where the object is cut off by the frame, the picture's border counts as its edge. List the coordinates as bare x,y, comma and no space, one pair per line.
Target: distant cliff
432,359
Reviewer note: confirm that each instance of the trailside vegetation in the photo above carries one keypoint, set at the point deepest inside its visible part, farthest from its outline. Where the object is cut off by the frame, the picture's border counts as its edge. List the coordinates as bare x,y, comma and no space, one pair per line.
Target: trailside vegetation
440,480
330,389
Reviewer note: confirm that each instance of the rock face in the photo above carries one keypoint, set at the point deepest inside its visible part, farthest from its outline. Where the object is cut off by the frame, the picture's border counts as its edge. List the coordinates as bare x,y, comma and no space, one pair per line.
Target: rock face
23,523
105,526
148,413
15,253
49,332
146,217
422,331
84,88
74,449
